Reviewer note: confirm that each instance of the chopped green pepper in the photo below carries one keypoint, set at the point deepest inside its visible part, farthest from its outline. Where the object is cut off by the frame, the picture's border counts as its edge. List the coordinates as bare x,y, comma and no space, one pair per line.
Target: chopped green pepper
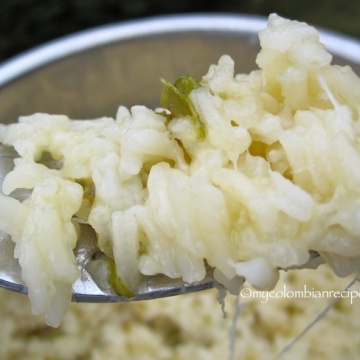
116,282
176,98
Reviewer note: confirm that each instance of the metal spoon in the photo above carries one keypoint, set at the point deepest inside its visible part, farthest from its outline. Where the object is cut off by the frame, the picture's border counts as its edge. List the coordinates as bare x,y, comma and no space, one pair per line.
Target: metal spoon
93,285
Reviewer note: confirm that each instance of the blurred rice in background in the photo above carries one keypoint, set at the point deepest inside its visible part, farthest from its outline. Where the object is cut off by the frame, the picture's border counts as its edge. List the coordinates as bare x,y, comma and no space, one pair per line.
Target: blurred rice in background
190,326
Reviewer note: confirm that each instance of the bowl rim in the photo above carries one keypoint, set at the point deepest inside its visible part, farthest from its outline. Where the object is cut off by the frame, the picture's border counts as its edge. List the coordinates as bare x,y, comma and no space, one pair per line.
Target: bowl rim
338,44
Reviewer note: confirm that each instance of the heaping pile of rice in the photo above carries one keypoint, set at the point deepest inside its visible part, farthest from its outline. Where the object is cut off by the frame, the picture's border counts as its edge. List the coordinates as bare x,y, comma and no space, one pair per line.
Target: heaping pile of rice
249,172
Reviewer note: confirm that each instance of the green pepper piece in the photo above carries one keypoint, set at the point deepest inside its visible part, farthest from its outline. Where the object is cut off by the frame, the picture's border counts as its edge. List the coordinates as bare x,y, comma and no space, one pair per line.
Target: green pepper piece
116,282
176,98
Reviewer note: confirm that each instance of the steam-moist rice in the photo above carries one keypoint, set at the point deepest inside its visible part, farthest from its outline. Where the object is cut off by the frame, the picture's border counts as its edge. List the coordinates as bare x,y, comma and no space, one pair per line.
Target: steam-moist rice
248,172
189,326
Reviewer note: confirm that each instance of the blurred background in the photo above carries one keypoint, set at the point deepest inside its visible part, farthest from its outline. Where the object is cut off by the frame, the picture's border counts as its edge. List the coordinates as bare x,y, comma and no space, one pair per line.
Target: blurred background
27,23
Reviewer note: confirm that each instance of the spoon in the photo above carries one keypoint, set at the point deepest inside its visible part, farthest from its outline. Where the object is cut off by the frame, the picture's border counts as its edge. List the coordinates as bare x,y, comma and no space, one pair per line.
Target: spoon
93,285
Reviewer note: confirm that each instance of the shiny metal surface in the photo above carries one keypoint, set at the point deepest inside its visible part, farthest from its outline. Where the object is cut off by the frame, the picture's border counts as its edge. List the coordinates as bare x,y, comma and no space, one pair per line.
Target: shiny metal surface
88,75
